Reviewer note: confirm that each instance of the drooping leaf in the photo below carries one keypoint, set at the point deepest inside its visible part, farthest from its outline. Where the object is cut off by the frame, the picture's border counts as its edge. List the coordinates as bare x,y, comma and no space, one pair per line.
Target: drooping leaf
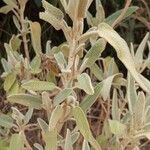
122,50
115,15
61,96
36,37
27,100
84,82
117,128
89,100
36,85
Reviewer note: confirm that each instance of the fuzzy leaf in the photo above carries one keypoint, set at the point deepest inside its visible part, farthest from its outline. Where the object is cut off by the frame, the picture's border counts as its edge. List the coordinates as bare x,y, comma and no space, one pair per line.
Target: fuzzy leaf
89,100
68,141
122,50
26,100
6,9
61,96
43,125
84,82
36,85
36,37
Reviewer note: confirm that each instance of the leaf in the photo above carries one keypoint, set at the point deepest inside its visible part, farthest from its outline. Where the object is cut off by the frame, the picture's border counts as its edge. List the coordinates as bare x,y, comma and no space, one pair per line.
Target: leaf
9,81
68,141
43,125
38,85
7,67
61,96
85,145
16,142
117,128
110,20
15,43
12,3
55,117
84,82
122,50
26,100
6,121
16,22
83,126
94,53
50,138
6,9
28,115
89,100
36,37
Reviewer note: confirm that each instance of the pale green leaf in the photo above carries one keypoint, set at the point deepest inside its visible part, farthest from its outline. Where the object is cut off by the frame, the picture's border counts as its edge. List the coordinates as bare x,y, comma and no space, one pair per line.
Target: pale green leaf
84,83
36,37
6,66
85,145
28,115
43,125
36,85
117,128
61,96
12,3
89,100
68,141
26,100
16,22
6,9
122,50
15,43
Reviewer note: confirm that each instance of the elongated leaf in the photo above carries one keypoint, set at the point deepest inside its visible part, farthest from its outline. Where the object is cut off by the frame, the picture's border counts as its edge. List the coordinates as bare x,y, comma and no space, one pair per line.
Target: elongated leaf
68,141
26,100
6,66
16,142
50,138
6,9
9,81
55,117
84,82
89,100
85,145
43,125
6,121
117,128
61,96
95,52
122,50
36,37
115,15
12,3
38,85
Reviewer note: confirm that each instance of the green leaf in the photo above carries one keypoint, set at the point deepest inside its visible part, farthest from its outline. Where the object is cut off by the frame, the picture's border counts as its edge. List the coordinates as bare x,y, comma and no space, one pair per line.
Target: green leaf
12,3
84,82
94,53
61,96
16,142
83,126
7,66
122,50
117,128
55,117
50,138
36,85
68,141
110,20
43,125
85,145
28,115
16,22
36,37
26,100
15,43
6,9
9,81
89,100
6,121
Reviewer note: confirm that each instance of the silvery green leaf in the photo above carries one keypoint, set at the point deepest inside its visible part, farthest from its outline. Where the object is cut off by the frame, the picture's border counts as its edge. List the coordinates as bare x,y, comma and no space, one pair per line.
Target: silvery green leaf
16,142
6,121
123,52
131,93
16,22
68,141
115,109
36,85
15,43
28,115
84,83
85,145
26,100
117,128
38,146
43,125
110,20
61,96
57,13
55,117
107,83
89,100
50,138
6,9
83,126
12,3
9,81
94,53
36,37
15,88
6,66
